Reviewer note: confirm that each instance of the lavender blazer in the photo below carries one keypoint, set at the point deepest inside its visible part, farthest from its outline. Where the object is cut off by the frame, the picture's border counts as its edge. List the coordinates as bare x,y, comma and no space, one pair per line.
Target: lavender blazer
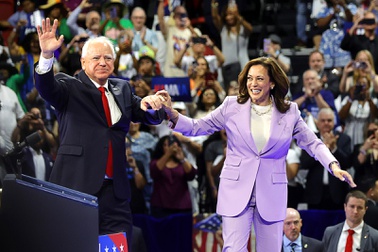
245,167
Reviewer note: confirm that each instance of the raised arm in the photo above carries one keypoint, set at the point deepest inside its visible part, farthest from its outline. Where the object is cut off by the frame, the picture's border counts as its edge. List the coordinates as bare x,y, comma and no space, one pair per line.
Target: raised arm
215,15
47,38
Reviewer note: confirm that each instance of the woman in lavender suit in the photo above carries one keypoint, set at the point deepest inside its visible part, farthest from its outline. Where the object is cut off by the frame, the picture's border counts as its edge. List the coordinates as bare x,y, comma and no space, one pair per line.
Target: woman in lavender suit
260,125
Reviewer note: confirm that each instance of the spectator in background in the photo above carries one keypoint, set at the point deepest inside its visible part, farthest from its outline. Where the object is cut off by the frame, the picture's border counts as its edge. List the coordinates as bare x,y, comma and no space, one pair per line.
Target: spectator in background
170,171
55,9
198,46
177,37
201,78
114,23
28,53
31,122
234,31
323,191
25,20
329,77
274,50
137,178
369,186
10,77
336,12
301,21
142,146
207,102
293,240
362,65
365,238
37,159
125,62
10,112
147,65
142,36
296,180
71,54
358,109
354,42
92,21
314,97
335,18
365,156
214,155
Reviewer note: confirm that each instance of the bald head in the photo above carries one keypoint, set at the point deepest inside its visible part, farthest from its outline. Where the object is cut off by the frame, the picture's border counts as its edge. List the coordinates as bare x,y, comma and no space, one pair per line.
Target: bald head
292,224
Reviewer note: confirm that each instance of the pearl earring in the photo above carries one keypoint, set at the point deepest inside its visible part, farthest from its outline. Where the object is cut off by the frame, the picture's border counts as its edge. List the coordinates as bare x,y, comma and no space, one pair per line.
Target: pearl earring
271,87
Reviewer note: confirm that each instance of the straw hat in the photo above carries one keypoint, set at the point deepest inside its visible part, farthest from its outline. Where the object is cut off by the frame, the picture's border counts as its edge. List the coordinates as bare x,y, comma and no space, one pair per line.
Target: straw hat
119,2
54,3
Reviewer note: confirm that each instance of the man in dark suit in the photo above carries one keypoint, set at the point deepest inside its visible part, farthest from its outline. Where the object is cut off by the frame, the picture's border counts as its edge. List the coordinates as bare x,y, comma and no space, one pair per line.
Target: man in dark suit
369,186
94,114
363,237
293,240
323,191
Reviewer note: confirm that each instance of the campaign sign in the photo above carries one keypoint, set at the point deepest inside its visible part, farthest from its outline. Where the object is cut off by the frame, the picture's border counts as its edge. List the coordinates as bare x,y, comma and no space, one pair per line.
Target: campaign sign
113,243
177,87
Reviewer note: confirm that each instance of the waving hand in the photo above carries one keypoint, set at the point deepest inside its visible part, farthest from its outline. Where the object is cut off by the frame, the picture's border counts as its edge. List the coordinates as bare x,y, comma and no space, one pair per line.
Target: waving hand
47,38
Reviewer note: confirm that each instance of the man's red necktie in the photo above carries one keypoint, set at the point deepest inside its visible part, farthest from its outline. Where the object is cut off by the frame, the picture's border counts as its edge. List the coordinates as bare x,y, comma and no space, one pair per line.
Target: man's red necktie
349,242
105,104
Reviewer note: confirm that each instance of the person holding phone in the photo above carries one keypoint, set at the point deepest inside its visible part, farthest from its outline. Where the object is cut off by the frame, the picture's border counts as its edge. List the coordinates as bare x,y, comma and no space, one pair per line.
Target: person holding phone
358,108
201,77
170,171
114,22
365,156
272,48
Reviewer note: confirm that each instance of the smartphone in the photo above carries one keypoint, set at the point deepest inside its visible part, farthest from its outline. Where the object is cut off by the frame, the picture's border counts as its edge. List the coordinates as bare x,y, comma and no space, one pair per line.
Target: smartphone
171,139
267,42
199,40
209,77
359,65
113,12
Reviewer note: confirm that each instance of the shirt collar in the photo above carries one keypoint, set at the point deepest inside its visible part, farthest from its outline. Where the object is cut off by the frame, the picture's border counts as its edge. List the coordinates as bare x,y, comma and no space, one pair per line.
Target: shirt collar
106,85
298,241
357,229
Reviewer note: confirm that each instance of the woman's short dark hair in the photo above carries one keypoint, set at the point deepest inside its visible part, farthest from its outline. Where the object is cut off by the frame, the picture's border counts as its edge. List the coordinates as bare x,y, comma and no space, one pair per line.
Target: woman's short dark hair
276,75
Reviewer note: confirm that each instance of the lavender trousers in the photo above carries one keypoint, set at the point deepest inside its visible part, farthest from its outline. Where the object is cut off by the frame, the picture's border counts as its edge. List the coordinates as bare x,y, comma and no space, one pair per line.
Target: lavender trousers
237,229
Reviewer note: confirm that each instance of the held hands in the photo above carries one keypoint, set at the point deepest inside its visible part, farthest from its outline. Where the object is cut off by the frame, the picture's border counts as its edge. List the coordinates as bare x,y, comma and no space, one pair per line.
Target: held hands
47,38
342,175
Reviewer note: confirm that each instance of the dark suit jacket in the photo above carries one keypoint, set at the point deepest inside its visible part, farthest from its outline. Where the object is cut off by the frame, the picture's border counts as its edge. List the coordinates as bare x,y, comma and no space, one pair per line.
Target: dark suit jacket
84,133
310,244
338,189
371,215
369,238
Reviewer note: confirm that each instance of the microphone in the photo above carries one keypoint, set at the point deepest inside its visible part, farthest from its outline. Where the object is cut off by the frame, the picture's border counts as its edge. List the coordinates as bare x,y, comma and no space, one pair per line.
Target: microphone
29,140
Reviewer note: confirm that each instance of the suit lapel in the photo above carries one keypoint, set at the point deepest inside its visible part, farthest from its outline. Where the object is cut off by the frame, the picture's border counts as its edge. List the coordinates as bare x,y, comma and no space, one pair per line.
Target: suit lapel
364,237
94,93
277,125
242,120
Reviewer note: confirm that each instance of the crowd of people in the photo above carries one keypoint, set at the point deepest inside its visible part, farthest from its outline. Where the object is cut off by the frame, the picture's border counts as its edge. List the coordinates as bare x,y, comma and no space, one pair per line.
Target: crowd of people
171,172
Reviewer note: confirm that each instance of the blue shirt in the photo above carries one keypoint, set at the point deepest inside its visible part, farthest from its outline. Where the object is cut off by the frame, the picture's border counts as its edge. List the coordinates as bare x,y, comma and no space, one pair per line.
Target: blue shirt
287,242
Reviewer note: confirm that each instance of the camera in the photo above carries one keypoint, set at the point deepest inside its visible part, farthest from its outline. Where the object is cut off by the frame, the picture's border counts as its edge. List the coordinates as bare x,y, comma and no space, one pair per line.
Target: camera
82,39
266,45
113,12
199,40
171,139
359,65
